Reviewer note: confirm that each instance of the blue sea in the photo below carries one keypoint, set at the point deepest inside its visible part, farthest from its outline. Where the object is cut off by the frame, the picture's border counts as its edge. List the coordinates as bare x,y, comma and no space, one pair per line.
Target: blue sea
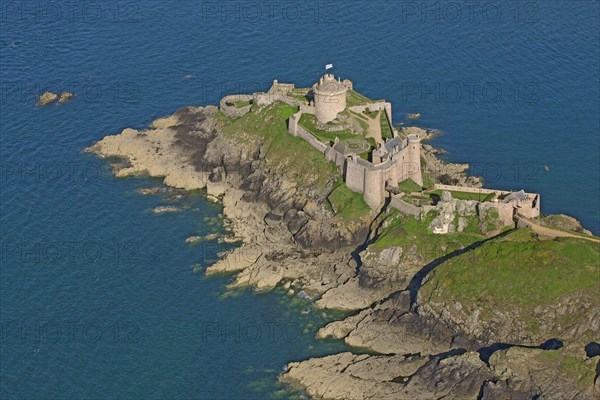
102,298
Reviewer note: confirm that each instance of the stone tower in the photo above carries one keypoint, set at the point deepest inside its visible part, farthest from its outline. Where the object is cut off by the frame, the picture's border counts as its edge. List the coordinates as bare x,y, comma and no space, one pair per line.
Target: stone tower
413,159
330,98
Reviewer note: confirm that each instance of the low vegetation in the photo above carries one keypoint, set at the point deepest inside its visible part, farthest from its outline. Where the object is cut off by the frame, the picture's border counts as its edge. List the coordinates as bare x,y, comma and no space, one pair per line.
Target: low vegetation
406,231
518,270
346,203
354,98
241,103
309,122
386,129
409,186
466,195
286,154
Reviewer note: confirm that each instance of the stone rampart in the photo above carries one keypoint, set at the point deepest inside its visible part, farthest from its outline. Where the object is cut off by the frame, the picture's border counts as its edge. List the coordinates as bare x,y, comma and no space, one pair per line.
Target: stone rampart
227,105
467,189
399,204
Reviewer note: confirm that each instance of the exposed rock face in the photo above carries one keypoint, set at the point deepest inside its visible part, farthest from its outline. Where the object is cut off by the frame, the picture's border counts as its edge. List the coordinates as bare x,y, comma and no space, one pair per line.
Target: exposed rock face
564,222
274,218
65,97
551,321
47,98
538,372
289,237
348,376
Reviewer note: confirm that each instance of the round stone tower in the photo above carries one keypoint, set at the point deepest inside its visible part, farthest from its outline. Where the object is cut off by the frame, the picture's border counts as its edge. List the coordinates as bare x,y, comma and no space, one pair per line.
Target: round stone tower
374,191
413,159
330,98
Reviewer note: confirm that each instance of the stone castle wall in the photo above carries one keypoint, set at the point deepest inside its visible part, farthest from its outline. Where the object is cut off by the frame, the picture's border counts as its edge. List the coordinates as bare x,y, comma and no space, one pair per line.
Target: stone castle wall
410,209
295,129
375,106
413,160
227,105
374,190
355,176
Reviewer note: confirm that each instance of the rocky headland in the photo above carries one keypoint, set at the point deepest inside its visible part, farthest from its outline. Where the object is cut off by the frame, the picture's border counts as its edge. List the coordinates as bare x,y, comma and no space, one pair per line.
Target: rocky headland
481,313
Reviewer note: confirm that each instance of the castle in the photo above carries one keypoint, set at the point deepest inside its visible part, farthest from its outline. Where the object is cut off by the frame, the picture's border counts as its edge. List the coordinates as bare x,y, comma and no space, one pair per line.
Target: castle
372,163
392,162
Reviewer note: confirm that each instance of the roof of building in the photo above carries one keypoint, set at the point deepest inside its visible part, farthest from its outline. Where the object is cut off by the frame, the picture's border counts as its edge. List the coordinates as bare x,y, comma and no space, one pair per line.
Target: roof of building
342,147
520,196
328,84
390,144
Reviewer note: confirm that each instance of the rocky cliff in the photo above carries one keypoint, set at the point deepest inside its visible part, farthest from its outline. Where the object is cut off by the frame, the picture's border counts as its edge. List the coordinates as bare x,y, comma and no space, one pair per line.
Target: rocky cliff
436,336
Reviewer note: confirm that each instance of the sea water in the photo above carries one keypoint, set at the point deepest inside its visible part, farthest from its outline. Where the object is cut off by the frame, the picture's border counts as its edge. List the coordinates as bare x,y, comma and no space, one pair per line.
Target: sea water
102,298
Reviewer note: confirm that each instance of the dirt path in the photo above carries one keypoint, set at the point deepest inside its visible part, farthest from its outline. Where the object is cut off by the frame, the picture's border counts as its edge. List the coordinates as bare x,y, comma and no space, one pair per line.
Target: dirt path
374,129
546,231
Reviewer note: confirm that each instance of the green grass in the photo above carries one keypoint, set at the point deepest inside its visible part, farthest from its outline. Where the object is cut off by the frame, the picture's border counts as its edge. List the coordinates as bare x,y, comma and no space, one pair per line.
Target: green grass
346,203
519,271
409,186
466,195
386,129
353,98
360,116
428,181
362,122
406,231
241,103
582,373
309,122
287,155
300,95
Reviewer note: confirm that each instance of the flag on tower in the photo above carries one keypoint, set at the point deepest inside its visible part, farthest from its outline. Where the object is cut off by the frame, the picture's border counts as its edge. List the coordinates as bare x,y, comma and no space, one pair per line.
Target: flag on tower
328,66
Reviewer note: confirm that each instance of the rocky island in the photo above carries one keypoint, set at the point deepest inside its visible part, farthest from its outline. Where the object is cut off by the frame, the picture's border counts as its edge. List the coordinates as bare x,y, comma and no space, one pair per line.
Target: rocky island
453,290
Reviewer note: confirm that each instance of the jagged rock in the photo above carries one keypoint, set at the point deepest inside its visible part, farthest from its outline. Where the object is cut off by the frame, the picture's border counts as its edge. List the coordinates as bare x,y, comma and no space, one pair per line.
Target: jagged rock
446,196
65,97
541,373
47,98
287,235
348,376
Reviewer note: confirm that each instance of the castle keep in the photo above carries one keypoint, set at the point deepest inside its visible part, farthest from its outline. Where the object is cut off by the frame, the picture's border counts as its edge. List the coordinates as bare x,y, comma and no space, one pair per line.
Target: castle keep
329,98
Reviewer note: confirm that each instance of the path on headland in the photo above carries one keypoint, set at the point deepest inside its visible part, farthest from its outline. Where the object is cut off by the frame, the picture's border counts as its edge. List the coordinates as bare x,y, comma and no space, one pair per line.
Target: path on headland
374,129
546,231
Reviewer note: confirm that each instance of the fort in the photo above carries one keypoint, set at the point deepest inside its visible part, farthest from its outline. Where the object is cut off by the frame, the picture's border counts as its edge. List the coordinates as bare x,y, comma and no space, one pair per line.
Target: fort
376,159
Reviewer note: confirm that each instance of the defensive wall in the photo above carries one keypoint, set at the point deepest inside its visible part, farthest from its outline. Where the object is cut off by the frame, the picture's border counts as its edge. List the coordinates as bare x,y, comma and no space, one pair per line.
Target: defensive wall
295,129
407,208
375,106
227,105
507,202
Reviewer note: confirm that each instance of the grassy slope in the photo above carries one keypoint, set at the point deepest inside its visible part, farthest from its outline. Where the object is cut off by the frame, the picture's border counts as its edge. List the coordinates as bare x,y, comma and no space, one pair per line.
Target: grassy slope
309,122
354,99
409,186
386,130
286,153
293,156
405,231
348,204
519,273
